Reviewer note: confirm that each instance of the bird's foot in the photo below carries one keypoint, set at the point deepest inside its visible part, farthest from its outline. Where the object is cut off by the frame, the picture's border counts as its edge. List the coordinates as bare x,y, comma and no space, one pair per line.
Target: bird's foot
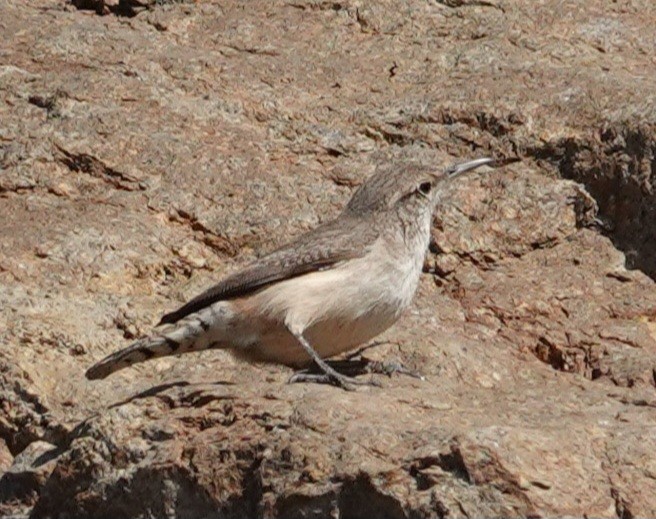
328,375
353,367
342,373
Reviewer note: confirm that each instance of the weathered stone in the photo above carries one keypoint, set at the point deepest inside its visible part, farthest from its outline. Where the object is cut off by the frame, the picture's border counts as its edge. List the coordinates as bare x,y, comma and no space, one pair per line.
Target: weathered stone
148,148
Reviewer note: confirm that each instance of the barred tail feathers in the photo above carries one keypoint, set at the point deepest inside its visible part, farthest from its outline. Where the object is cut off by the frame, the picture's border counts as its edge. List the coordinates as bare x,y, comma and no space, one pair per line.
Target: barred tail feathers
196,332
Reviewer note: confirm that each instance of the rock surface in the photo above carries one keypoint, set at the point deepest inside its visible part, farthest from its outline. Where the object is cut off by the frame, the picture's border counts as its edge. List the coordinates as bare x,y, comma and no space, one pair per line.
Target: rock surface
147,148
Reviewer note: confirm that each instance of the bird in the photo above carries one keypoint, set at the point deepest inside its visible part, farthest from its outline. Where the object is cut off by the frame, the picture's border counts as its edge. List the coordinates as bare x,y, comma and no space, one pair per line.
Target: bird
324,293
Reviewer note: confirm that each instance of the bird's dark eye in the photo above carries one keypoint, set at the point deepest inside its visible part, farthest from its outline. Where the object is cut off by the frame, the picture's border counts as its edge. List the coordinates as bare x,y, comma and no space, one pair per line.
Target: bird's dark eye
425,188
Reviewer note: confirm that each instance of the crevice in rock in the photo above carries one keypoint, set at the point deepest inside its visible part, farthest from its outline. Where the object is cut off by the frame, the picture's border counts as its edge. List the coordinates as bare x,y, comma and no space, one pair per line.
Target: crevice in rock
50,103
209,237
93,166
126,8
618,168
450,462
399,129
454,4
360,499
17,190
318,5
253,50
300,505
621,506
389,134
495,125
122,8
458,130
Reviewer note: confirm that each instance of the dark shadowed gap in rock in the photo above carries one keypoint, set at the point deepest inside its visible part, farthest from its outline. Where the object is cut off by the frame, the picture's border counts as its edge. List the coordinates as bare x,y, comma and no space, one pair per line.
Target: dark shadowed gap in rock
451,462
307,507
121,9
618,168
360,499
252,485
127,8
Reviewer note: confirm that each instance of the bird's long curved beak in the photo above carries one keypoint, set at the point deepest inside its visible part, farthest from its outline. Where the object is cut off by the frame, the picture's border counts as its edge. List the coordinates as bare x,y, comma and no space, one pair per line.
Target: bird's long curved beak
457,169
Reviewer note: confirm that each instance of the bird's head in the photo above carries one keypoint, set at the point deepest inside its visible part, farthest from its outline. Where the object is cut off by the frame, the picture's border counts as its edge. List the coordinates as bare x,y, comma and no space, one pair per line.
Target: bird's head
411,188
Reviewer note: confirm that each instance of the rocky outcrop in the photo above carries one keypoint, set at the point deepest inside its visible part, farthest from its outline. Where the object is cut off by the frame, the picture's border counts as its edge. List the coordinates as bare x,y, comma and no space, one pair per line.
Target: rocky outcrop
148,148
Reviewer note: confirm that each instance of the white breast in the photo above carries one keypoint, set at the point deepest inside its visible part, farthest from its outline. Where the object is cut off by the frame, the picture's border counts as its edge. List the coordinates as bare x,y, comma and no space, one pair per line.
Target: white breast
340,308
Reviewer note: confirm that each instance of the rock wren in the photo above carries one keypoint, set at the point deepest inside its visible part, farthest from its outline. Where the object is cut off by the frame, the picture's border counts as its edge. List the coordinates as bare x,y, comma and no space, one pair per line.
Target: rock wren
327,292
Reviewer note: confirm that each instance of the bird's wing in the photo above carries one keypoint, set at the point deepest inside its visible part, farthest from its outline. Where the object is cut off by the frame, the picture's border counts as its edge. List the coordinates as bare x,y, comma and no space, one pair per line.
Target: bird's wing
319,249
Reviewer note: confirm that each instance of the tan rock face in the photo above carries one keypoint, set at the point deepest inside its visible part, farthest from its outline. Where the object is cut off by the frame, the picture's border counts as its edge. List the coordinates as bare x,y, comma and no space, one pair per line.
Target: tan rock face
148,148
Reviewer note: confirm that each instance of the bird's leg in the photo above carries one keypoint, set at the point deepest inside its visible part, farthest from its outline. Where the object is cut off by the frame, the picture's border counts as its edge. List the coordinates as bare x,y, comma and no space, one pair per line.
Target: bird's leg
328,375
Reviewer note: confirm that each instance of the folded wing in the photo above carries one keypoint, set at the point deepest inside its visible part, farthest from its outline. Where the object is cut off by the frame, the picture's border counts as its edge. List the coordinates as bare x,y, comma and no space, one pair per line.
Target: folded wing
322,248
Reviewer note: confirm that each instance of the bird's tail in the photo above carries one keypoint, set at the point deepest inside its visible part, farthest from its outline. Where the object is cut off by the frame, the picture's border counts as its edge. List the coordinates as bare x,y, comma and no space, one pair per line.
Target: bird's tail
197,332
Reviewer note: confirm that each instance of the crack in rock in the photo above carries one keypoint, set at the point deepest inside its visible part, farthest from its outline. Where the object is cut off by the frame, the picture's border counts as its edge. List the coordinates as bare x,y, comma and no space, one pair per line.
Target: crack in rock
93,166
